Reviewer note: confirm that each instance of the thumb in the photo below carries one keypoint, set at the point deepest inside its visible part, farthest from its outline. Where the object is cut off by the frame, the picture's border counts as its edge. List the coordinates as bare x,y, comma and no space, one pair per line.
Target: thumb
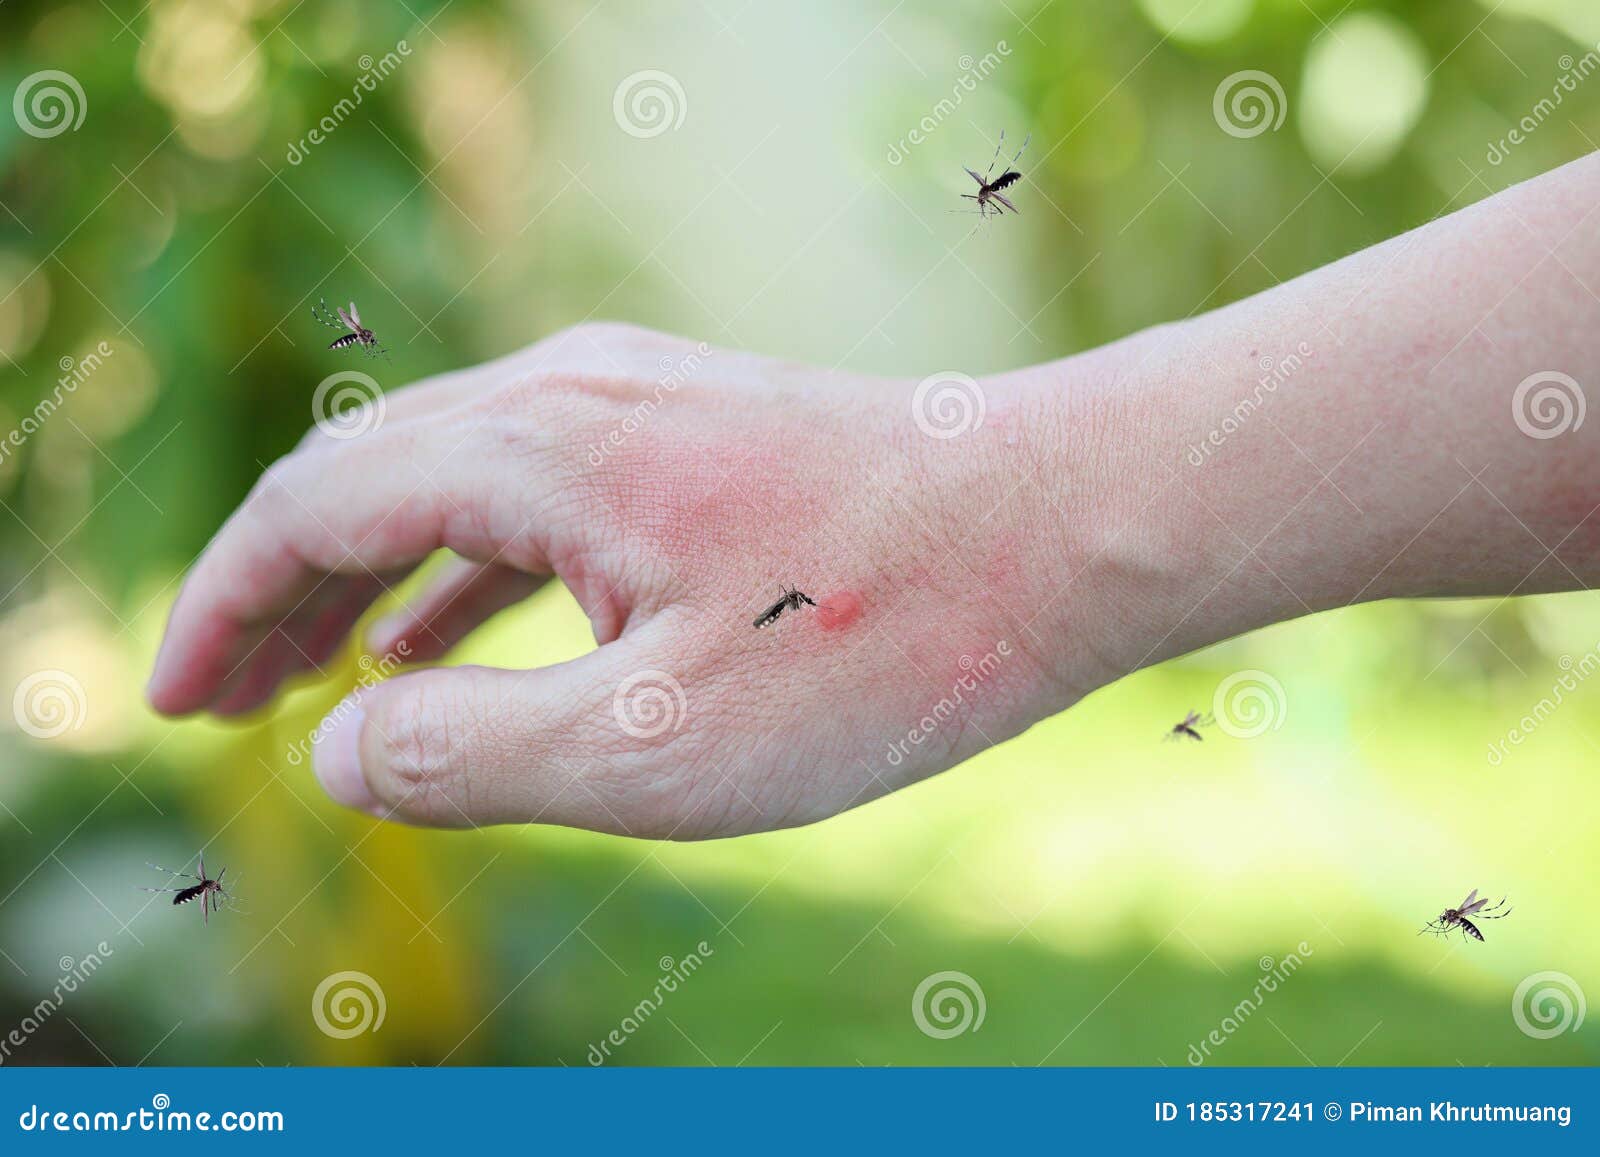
600,743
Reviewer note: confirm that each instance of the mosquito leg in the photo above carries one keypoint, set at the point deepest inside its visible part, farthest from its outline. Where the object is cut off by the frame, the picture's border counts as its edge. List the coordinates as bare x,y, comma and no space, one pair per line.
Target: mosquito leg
169,871
998,145
1020,151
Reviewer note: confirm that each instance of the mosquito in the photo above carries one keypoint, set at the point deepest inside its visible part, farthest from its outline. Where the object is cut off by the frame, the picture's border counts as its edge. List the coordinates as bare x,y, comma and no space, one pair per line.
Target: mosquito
988,195
1191,722
1453,918
792,600
208,891
358,335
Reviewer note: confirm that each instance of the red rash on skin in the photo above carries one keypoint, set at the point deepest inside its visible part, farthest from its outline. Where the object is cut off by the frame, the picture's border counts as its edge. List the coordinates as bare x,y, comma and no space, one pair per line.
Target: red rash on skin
683,498
838,611
1004,562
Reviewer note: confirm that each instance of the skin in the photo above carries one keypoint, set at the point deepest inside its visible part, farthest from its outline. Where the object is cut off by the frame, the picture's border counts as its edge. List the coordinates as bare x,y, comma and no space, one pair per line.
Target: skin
1069,539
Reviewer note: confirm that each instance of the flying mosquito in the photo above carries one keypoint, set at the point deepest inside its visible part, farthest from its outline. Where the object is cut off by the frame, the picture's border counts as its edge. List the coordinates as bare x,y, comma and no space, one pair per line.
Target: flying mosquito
358,335
792,600
1190,725
208,891
1453,918
988,195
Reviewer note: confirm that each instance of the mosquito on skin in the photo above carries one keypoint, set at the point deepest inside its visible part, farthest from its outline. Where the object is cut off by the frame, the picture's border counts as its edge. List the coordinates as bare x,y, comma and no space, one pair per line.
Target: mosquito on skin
210,892
358,335
792,600
1452,919
1191,722
988,195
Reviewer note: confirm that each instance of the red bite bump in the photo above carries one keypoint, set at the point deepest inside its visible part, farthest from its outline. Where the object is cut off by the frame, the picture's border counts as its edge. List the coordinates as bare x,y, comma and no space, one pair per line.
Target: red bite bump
836,612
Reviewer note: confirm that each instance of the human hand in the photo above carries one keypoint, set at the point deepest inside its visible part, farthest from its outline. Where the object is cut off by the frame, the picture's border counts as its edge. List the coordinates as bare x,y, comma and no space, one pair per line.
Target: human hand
674,490
1416,436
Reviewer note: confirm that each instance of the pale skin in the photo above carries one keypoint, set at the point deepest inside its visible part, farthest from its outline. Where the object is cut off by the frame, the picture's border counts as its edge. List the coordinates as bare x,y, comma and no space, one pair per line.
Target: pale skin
1008,571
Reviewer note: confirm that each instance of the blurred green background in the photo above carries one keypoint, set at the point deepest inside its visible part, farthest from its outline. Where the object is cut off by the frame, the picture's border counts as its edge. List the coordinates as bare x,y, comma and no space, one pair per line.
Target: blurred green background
1112,896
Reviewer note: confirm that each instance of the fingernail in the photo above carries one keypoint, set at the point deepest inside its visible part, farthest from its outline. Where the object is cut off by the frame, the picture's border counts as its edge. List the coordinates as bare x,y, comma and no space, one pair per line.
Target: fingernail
337,759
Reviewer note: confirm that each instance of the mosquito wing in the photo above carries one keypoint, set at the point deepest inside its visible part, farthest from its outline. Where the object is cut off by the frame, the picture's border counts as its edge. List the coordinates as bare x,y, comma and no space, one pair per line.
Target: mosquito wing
974,175
1003,201
1469,906
1466,905
355,314
345,317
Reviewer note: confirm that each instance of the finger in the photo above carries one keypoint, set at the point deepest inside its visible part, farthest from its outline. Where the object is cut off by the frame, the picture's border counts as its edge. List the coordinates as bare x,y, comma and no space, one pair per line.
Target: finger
304,642
374,505
469,746
457,601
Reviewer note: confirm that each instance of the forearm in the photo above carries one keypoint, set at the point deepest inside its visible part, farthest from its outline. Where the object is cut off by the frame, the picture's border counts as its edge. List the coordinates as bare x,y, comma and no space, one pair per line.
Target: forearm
1352,434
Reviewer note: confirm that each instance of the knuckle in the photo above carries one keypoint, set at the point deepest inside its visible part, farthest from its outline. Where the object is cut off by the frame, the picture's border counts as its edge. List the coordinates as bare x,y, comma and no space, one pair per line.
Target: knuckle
420,767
